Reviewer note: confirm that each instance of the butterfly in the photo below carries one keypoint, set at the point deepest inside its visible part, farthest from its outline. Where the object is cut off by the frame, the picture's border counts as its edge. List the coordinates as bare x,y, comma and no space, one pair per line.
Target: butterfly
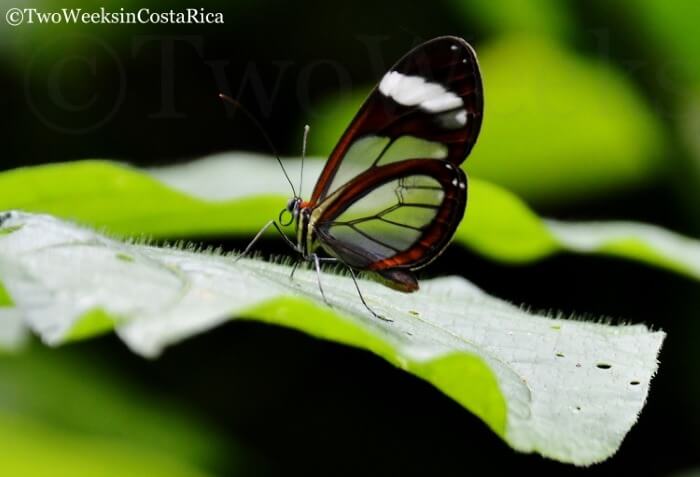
392,193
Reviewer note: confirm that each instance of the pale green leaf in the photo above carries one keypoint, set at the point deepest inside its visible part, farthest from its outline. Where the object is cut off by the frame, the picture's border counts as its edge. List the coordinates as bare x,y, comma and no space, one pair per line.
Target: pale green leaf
567,389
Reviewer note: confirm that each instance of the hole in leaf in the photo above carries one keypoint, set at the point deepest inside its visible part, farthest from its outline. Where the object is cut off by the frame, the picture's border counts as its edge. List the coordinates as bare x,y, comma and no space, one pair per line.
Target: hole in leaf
577,409
603,366
634,383
560,355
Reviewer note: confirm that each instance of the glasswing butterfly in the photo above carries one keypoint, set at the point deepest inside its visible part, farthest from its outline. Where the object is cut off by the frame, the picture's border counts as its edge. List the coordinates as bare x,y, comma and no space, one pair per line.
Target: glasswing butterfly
392,193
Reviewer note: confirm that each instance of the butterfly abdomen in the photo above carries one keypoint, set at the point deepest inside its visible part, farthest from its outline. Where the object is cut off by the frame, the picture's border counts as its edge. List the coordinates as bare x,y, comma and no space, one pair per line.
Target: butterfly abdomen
400,280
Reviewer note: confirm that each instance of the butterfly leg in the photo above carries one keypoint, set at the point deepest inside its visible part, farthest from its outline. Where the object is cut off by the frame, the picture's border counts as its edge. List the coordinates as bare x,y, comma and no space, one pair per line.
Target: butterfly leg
362,298
294,269
320,259
354,280
317,263
259,234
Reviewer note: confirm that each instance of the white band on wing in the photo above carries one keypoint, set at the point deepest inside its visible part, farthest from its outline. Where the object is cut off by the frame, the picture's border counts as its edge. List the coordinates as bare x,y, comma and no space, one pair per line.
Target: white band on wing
430,97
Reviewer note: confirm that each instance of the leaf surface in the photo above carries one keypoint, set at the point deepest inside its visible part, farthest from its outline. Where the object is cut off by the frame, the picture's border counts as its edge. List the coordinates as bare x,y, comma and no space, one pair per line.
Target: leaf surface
567,389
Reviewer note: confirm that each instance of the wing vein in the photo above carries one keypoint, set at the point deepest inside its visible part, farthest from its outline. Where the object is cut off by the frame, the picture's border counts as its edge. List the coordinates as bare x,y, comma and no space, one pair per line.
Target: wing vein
369,237
399,224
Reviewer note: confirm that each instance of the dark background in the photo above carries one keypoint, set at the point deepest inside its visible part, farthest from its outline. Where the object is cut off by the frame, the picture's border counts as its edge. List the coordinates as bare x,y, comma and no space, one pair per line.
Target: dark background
147,94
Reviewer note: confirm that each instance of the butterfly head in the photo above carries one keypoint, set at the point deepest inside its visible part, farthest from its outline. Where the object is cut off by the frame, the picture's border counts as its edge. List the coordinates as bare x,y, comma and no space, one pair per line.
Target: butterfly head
293,206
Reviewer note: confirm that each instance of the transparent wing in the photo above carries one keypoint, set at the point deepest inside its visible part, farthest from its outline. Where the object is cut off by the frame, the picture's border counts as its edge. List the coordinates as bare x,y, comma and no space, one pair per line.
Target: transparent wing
373,151
400,215
428,105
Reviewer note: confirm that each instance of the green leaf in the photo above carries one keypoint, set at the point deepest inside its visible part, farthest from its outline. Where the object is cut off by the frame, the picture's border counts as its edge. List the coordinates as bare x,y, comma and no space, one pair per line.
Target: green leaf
128,201
53,396
5,299
557,127
238,193
33,449
567,389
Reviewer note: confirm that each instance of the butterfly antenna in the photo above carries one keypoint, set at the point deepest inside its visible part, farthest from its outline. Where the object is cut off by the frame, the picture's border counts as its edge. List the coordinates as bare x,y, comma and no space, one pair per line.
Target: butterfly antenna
303,156
265,135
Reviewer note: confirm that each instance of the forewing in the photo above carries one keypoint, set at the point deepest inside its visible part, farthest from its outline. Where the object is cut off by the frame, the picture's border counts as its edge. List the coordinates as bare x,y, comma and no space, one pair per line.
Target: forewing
396,216
428,105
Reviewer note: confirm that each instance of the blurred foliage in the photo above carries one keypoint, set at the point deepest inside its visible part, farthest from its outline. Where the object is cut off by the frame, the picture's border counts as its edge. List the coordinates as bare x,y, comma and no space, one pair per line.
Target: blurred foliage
558,127
33,449
84,421
670,31
551,18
